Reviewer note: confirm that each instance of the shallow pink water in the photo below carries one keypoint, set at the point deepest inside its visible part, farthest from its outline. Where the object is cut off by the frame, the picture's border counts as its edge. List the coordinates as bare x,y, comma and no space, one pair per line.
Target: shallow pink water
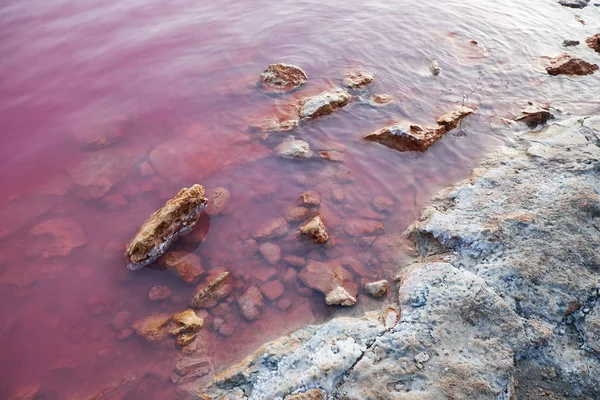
183,73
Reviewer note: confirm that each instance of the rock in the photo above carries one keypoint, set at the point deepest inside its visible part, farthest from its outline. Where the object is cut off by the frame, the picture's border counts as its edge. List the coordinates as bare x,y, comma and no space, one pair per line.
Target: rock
284,304
377,289
357,79
282,78
146,169
290,277
273,229
450,121
186,322
193,367
215,287
330,279
152,328
271,252
295,261
177,217
310,198
344,175
568,43
217,322
227,329
273,125
120,320
566,64
332,155
380,99
125,334
338,195
102,135
56,237
246,248
298,214
272,290
324,103
251,303
363,227
187,266
403,136
383,204
312,394
217,201
533,116
435,68
114,201
315,229
594,42
574,3
185,339
591,330
294,149
159,293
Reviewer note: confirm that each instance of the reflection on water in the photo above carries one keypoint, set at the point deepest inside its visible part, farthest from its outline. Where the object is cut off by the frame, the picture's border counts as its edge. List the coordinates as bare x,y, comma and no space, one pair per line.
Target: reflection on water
173,85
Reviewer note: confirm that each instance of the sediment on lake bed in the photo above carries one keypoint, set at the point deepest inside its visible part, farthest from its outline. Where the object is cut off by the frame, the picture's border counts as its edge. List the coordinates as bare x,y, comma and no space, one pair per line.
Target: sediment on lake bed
501,300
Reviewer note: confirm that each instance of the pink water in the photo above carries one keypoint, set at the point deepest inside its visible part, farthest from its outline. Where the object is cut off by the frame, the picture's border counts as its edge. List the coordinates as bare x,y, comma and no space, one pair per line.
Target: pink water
183,74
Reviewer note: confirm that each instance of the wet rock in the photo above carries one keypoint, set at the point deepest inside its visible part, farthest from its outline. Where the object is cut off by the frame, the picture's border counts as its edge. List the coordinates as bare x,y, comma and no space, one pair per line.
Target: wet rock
591,330
215,287
282,78
284,304
338,195
294,149
120,320
594,42
383,204
344,175
315,230
272,290
377,289
227,329
125,334
217,201
332,155
193,367
568,43
312,394
363,227
324,103
185,322
566,64
295,261
271,252
574,3
261,272
159,293
246,248
435,68
273,229
330,279
290,277
56,237
450,120
251,303
273,125
533,116
357,79
177,217
185,339
114,201
403,136
298,214
102,135
187,266
310,198
380,99
152,328
146,169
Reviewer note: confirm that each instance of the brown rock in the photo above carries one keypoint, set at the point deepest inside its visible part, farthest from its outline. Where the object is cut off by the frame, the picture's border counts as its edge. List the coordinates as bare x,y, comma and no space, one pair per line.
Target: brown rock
450,121
298,214
221,310
332,155
187,266
56,237
381,98
186,322
120,320
312,394
357,79
284,304
272,290
271,252
215,287
377,289
315,229
566,64
282,78
533,116
159,293
217,201
152,328
383,204
251,303
273,229
324,103
185,339
332,280
310,198
102,135
146,169
404,136
177,217
338,195
246,248
295,261
364,227
594,42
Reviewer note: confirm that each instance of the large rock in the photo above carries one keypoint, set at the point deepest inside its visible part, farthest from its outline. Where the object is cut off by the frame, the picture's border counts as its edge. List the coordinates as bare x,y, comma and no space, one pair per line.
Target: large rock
594,42
566,64
324,103
314,230
177,217
282,78
251,303
215,287
332,280
404,136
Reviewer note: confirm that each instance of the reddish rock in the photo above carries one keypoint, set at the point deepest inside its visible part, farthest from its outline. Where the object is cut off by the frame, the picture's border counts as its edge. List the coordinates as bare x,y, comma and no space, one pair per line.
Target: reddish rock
215,287
298,214
282,78
332,155
251,303
152,328
310,198
120,320
284,304
311,394
146,169
273,125
377,289
246,248
101,135
271,252
159,293
217,322
227,329
295,261
450,120
364,227
177,217
370,214
403,136
272,290
332,280
187,266
357,79
124,334
56,237
594,42
380,99
217,201
324,103
221,310
261,272
354,265
566,64
315,230
273,229
383,204
114,201
185,322
290,277
338,195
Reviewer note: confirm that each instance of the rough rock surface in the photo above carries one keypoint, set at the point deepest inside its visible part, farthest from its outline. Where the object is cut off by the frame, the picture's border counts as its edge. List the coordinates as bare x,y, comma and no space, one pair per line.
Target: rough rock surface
294,148
152,328
377,289
177,217
282,78
533,116
273,125
186,322
324,103
314,229
187,266
566,64
215,287
159,293
570,42
332,280
251,303
404,136
594,42
505,293
435,68
102,135
357,78
450,120
574,3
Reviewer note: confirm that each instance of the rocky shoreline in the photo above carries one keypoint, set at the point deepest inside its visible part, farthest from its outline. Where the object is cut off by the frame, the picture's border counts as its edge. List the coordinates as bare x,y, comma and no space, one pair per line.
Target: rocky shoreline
500,300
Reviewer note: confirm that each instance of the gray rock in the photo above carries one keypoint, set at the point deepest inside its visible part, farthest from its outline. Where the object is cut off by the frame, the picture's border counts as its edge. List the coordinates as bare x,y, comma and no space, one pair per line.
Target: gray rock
294,148
377,289
324,103
568,43
574,3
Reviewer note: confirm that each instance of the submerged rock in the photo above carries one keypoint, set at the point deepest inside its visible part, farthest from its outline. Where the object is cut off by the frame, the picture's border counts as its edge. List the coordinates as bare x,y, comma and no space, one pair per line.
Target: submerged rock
251,303
566,64
594,42
159,293
273,125
217,201
152,328
357,79
310,198
533,116
271,252
363,227
102,135
324,103
282,78
383,204
332,280
297,214
294,148
186,322
177,217
380,99
272,290
187,266
215,287
56,237
315,230
273,229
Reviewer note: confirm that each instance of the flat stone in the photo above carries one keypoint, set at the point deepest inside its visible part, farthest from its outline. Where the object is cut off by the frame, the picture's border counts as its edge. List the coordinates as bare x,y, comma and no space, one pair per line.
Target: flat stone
324,103
566,64
177,217
272,290
273,229
330,279
377,289
215,287
217,201
363,227
314,229
187,266
294,149
404,136
282,78
193,366
357,79
310,198
271,252
185,322
251,303
159,293
56,237
594,42
152,328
